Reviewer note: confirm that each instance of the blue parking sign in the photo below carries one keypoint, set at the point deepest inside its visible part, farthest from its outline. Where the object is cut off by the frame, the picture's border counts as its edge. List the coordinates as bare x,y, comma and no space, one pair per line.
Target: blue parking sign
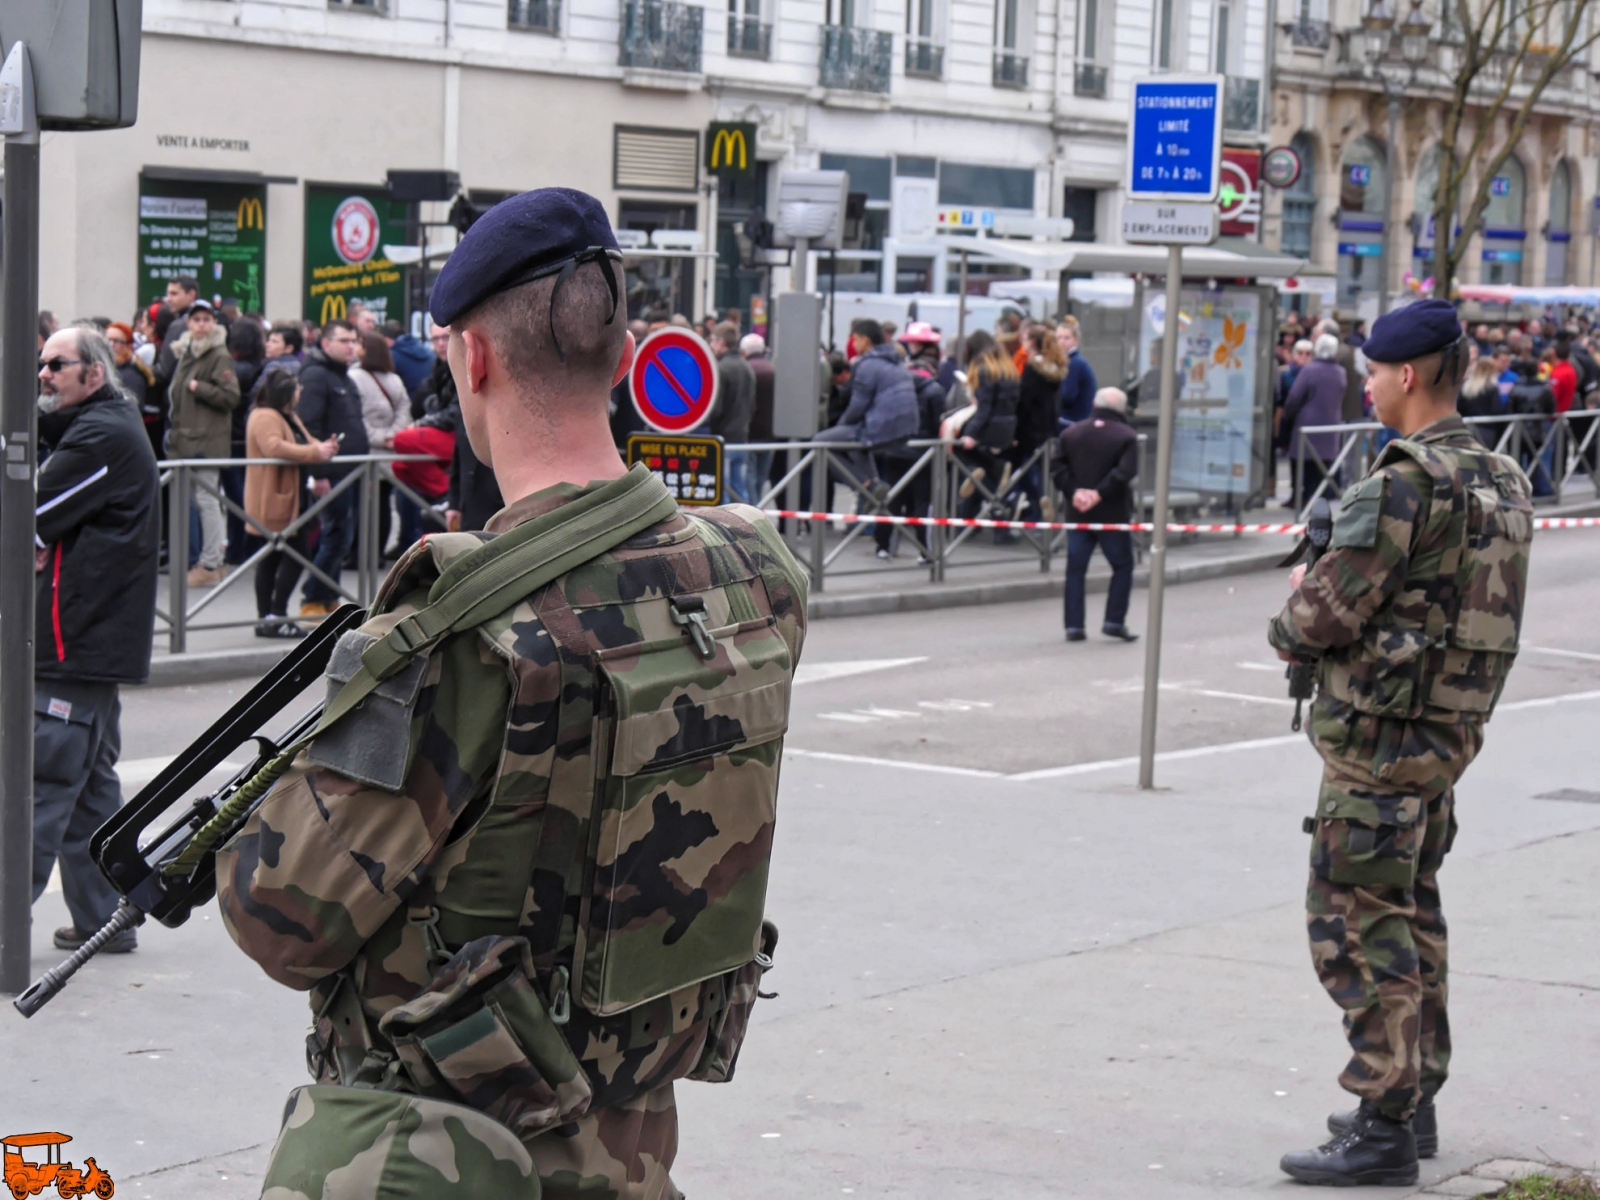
1175,138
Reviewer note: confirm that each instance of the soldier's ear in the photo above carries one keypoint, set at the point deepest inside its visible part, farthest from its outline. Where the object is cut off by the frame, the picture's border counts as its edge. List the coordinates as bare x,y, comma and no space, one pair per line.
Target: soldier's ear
625,364
477,355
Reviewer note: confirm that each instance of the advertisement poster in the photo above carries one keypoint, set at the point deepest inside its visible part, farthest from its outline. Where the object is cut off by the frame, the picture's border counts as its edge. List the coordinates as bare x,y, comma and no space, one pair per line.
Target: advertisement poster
216,232
346,231
1217,362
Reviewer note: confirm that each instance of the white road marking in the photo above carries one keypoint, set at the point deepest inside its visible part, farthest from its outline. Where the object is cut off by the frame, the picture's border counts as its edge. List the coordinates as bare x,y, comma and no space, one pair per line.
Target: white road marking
1564,653
1240,696
1255,666
1109,764
959,706
892,714
936,768
822,672
852,718
134,773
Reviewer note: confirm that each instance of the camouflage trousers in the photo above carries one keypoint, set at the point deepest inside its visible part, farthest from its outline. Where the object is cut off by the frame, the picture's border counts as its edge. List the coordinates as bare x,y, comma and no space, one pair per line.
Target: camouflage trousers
1386,820
619,1153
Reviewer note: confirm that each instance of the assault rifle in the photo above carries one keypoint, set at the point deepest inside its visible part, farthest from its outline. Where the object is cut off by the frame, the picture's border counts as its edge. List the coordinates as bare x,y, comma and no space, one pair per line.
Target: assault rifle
168,873
1302,675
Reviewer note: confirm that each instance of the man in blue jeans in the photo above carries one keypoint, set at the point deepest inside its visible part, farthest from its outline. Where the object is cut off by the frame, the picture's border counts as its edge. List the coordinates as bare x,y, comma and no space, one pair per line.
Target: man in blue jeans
1095,463
330,406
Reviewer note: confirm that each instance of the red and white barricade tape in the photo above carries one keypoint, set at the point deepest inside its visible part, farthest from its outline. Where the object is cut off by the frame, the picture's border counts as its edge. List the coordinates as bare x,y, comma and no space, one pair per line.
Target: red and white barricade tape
1099,527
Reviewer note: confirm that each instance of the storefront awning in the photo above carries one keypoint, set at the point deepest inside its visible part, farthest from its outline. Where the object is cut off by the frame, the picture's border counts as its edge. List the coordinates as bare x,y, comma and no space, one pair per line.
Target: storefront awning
1230,258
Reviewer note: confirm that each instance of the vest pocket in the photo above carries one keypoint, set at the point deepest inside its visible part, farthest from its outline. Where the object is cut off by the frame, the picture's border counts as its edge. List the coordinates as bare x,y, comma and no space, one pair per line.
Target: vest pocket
737,992
684,813
480,1033
1493,579
1381,674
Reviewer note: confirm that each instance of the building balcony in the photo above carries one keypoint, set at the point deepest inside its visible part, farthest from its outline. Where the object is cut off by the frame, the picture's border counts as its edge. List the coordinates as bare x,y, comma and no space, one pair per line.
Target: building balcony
1090,80
539,16
856,60
748,37
1241,104
924,58
1308,33
1010,69
661,35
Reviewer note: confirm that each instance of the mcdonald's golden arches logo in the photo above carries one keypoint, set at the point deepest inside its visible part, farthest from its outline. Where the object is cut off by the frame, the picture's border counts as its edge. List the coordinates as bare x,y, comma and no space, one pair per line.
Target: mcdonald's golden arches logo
730,148
250,214
333,309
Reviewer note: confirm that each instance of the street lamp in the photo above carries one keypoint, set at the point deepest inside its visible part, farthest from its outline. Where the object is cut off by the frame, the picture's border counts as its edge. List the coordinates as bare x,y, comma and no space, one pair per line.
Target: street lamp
1394,56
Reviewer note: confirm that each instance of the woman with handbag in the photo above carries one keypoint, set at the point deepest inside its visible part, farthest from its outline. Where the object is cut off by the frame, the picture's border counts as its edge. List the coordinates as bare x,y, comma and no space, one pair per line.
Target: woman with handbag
272,496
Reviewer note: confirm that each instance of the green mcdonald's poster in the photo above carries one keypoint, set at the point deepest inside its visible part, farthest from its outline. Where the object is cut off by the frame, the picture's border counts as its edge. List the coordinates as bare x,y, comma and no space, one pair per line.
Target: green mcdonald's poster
215,232
346,231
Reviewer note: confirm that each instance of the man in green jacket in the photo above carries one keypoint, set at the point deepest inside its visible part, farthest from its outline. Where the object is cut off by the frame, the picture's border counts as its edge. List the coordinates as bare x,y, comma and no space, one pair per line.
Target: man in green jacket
204,393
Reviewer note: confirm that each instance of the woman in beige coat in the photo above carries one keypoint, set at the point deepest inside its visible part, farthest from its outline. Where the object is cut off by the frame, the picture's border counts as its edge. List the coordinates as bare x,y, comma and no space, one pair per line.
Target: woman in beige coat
272,496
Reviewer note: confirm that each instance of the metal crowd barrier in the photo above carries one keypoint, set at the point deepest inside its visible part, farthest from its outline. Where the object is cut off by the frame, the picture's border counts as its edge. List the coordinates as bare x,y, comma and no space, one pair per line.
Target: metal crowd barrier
1552,450
367,474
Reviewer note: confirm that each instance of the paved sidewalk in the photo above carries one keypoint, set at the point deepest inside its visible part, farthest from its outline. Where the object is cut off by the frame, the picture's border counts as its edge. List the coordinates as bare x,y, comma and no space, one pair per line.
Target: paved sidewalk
1062,987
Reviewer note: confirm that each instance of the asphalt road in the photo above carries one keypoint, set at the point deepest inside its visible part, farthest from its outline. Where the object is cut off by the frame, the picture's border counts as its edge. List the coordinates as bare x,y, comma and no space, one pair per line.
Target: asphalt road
1004,969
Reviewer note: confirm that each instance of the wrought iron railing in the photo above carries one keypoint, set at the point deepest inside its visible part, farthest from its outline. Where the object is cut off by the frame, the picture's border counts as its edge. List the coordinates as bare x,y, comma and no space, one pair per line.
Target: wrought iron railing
749,37
924,58
1010,69
1089,80
1308,33
1241,104
540,16
661,35
856,60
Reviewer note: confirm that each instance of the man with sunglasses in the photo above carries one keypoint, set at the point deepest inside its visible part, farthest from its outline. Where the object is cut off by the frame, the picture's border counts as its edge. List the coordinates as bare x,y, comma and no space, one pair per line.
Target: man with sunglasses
98,535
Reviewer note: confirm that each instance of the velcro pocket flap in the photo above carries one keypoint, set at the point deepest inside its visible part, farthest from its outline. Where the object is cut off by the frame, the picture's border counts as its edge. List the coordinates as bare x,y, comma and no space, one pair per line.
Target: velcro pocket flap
673,707
372,743
1356,525
1381,674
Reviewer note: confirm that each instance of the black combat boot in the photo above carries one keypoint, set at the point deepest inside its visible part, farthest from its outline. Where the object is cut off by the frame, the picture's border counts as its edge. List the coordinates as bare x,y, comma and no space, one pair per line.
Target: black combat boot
1375,1151
1424,1123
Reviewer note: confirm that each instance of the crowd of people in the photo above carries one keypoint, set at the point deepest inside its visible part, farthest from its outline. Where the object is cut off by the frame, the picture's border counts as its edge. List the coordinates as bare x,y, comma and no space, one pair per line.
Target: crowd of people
1528,369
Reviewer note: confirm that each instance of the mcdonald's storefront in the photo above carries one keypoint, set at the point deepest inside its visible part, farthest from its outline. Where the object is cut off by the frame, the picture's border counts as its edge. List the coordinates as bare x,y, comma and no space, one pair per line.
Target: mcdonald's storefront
213,229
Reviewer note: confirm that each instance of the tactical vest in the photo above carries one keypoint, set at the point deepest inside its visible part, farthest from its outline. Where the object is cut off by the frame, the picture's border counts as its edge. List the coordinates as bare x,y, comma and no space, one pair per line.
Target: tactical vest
605,935
1447,639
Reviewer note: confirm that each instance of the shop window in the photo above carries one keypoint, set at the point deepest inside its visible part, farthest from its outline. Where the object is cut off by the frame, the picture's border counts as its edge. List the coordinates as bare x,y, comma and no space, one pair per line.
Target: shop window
657,287
867,175
970,185
1080,204
1300,201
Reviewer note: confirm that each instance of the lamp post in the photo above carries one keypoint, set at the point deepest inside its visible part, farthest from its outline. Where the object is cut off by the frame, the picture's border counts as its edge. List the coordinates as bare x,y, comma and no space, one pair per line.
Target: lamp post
1395,62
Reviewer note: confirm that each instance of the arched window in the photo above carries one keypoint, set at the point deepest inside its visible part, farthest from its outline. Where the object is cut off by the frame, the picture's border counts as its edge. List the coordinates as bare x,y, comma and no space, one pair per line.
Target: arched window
1427,195
1300,200
1558,233
1505,224
1363,205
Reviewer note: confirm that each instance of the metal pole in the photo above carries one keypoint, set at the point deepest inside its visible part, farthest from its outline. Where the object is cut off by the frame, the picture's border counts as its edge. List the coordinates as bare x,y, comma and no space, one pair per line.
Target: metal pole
179,492
19,390
819,503
961,311
1158,536
1389,220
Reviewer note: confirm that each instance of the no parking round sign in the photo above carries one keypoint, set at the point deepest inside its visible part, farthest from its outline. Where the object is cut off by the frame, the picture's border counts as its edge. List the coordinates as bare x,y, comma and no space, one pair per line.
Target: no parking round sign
673,380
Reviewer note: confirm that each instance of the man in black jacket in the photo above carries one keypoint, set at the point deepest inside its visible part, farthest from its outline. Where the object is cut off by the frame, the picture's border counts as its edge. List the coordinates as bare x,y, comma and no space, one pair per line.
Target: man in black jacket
1096,462
330,406
98,537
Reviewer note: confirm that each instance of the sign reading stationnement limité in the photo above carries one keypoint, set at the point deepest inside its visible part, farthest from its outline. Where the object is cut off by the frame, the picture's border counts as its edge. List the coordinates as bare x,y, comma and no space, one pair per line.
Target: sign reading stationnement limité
1175,139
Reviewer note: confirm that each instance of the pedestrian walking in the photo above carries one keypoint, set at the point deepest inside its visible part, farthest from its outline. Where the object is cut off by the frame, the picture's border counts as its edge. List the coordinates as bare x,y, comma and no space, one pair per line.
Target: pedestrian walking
272,494
542,992
330,407
98,535
202,399
1411,618
1096,461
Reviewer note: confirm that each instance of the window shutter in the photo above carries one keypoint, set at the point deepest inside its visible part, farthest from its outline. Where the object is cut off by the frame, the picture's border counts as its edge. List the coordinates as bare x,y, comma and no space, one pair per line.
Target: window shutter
657,160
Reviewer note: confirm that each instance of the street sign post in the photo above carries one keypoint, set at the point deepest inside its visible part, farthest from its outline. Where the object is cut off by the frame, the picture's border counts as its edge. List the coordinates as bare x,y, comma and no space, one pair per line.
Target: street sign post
673,380
1174,176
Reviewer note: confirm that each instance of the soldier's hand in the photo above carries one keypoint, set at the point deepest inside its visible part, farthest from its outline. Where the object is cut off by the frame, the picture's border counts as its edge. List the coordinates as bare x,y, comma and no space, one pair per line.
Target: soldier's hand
1297,577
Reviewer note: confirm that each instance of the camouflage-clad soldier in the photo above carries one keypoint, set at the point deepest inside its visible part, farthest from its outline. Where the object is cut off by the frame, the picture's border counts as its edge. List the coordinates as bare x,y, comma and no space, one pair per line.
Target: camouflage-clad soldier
523,881
1413,617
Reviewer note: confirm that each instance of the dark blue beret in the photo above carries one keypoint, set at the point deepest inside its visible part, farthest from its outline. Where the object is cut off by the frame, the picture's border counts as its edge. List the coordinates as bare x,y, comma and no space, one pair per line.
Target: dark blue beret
517,241
1412,332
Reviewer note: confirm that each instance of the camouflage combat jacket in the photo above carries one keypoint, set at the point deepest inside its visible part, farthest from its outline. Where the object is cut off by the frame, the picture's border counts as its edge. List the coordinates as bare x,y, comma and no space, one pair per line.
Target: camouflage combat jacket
1416,608
588,801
